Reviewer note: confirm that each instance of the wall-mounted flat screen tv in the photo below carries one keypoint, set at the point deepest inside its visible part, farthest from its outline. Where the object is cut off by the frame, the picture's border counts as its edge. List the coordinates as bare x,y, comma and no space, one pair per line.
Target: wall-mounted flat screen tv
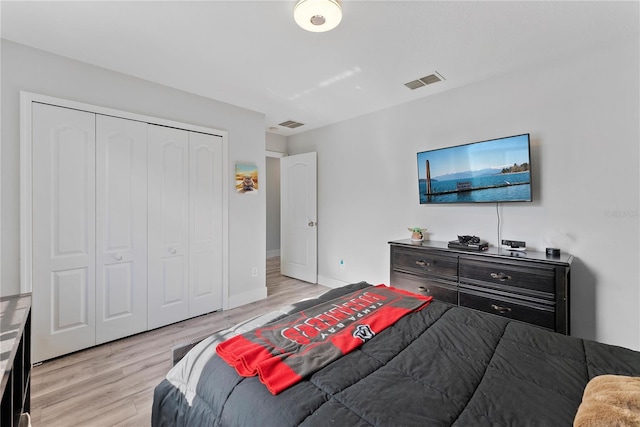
491,171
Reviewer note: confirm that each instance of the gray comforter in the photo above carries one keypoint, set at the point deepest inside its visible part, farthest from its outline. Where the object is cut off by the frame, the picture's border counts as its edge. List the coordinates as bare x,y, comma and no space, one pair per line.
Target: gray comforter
441,366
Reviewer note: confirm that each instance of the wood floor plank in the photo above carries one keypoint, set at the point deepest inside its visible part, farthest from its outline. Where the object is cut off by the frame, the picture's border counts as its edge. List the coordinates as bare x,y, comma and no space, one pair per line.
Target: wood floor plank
112,384
98,415
76,399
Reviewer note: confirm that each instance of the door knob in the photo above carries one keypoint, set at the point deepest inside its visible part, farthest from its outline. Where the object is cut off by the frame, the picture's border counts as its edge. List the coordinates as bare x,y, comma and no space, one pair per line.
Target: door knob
118,257
311,223
172,250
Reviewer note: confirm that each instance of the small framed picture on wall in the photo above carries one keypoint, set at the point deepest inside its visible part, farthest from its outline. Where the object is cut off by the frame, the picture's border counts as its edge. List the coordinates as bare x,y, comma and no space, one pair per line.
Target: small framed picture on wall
246,179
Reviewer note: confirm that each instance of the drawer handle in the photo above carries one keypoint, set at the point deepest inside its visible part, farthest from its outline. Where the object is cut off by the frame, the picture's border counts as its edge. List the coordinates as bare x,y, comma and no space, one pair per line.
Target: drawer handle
118,257
423,289
500,308
500,276
423,263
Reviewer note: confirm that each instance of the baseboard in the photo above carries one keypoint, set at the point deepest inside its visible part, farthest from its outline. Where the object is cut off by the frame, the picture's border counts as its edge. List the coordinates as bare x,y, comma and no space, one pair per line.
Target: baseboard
273,253
331,283
247,297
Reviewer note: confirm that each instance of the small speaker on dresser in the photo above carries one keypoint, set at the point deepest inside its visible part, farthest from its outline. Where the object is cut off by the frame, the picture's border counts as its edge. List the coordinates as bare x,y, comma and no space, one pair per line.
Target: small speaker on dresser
554,252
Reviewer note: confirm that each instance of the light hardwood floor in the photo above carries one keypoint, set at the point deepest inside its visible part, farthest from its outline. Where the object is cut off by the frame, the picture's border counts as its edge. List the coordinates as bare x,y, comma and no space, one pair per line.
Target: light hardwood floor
112,384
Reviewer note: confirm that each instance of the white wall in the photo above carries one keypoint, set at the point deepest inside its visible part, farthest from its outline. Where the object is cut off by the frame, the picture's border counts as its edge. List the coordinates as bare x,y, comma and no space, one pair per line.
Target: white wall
583,116
32,70
275,142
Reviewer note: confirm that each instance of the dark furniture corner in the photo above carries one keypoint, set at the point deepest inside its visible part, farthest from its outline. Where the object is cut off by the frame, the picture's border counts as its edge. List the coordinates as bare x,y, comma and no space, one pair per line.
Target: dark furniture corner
15,357
527,286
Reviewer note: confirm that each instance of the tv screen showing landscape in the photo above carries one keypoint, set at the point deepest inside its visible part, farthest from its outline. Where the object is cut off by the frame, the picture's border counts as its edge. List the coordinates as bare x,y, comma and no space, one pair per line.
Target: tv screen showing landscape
497,170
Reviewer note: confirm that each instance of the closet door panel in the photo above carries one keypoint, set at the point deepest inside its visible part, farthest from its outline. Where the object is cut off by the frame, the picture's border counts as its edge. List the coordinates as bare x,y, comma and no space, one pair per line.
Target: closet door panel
63,164
69,299
168,249
121,241
205,223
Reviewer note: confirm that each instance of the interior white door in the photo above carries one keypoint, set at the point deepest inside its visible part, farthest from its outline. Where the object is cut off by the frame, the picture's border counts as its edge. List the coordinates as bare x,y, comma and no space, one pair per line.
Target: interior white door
205,223
121,228
298,228
63,268
168,227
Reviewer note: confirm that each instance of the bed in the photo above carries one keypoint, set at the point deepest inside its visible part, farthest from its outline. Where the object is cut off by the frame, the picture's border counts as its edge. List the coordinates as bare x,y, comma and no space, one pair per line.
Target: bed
441,366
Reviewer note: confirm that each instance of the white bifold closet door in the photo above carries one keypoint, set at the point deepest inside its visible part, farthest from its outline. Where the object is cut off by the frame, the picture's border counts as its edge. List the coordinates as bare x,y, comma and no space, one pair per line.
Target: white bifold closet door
121,228
205,223
126,226
185,210
168,225
63,273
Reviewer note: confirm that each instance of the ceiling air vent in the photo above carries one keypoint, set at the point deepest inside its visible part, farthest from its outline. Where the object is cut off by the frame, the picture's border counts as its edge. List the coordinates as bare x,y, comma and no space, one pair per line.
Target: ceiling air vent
423,81
291,124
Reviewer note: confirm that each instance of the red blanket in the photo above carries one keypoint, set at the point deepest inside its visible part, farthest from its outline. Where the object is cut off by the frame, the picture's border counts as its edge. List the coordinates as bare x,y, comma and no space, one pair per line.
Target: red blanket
284,352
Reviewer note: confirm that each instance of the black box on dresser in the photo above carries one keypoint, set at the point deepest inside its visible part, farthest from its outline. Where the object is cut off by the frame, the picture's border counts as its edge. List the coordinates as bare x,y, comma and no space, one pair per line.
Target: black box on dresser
527,286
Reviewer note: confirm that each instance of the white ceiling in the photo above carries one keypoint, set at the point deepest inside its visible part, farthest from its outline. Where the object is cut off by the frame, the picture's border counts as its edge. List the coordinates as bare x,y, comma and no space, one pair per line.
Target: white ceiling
252,54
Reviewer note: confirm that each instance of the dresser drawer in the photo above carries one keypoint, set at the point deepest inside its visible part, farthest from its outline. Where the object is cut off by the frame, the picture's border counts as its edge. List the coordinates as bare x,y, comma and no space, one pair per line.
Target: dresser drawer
425,263
536,314
530,279
440,290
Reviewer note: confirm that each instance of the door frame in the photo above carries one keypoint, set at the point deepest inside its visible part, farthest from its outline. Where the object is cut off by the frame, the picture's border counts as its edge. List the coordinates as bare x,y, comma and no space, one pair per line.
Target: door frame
26,170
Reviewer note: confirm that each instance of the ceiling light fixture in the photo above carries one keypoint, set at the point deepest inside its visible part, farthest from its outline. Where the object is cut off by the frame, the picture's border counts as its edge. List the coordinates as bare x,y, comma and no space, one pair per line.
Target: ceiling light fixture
318,15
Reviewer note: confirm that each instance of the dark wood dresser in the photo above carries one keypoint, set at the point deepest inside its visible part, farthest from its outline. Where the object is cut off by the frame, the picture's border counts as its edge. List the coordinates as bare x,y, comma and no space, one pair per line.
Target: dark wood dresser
15,357
527,286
